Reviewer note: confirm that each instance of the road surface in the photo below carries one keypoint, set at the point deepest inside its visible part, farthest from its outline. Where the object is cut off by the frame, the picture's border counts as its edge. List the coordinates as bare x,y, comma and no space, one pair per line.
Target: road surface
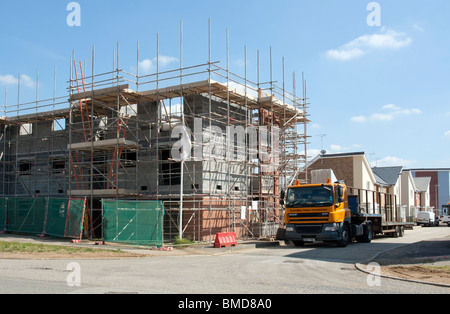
318,269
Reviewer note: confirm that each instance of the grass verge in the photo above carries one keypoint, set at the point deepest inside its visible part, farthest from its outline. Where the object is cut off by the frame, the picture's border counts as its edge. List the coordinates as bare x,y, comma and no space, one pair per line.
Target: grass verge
18,247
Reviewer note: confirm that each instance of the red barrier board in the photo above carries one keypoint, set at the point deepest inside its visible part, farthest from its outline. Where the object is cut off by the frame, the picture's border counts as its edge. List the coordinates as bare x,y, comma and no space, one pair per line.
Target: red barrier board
226,239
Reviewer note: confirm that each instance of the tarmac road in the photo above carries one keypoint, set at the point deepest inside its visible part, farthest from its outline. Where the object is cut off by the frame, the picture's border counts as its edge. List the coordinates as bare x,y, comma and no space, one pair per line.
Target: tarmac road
318,269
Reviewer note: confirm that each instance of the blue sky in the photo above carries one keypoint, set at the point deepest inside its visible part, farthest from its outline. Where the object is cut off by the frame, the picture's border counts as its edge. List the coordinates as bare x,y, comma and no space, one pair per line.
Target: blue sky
379,89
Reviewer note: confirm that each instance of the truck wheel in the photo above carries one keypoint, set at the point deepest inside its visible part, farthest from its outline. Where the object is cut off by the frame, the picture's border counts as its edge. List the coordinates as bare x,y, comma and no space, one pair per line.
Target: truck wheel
367,235
396,233
401,231
345,237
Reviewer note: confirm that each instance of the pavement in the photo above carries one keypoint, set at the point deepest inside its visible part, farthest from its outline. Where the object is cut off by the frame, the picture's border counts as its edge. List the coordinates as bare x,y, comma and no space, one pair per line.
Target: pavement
430,251
434,252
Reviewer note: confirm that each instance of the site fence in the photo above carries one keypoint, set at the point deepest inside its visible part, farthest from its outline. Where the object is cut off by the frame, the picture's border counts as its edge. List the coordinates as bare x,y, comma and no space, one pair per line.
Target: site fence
59,218
133,222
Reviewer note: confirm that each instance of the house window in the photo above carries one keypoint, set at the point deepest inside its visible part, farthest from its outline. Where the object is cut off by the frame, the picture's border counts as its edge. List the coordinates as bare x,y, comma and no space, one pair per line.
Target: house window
25,166
59,125
26,129
128,158
129,110
58,166
170,172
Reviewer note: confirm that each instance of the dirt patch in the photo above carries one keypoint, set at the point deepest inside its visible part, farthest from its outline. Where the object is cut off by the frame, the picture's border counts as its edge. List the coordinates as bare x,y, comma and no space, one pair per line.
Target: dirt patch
432,274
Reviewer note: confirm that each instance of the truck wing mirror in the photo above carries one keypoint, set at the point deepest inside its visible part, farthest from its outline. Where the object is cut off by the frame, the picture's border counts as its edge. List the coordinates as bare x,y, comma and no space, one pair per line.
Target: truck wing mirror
282,196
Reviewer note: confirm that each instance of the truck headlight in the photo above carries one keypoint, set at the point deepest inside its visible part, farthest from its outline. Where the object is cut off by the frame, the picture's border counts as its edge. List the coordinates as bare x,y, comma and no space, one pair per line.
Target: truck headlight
330,227
289,228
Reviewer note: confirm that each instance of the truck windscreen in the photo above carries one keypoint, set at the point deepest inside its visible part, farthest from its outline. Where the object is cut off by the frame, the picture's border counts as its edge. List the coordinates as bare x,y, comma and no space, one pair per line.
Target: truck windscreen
310,196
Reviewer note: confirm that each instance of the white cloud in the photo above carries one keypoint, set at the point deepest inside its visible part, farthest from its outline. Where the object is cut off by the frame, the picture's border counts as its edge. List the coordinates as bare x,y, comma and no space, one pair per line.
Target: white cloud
388,113
386,39
165,60
345,53
312,152
390,107
391,161
335,148
417,27
382,116
359,119
9,79
447,134
146,66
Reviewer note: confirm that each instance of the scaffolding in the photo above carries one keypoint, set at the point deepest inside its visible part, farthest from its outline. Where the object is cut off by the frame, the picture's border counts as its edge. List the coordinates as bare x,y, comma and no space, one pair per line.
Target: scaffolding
116,134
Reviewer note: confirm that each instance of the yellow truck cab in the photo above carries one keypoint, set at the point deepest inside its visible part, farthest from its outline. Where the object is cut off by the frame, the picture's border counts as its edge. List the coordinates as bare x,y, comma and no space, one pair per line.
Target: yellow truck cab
318,212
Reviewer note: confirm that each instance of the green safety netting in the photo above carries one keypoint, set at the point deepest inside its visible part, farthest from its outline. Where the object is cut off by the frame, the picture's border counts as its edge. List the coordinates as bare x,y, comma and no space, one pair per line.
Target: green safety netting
136,222
25,215
2,214
65,218
54,217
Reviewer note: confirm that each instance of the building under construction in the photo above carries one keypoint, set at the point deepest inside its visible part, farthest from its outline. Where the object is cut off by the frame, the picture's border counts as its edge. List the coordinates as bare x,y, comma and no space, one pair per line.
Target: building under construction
116,136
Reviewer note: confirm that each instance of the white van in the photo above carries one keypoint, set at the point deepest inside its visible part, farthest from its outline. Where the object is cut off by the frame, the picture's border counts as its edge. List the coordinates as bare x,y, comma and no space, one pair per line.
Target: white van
446,214
427,218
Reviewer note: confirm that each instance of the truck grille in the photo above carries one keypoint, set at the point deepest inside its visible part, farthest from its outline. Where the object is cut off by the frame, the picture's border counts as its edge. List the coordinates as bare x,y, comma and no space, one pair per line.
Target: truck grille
308,229
309,215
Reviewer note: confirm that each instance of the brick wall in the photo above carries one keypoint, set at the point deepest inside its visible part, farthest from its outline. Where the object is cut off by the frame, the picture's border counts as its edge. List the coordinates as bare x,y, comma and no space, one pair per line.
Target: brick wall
341,166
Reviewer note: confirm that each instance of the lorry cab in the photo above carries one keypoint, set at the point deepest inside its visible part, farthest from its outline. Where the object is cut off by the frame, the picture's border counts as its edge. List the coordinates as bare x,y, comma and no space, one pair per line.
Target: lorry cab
318,212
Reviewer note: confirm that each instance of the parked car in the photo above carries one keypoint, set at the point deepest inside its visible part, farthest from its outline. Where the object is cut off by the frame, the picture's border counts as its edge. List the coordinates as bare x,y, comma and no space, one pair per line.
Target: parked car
427,219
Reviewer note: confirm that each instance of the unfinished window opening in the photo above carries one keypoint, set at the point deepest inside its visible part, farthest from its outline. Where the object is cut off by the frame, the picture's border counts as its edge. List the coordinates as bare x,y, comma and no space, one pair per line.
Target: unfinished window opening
170,171
25,166
128,158
59,125
102,128
129,110
26,129
58,166
171,109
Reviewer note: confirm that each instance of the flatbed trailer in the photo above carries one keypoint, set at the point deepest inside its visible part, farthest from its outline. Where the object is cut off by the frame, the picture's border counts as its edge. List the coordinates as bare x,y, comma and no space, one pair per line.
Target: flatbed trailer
391,228
379,224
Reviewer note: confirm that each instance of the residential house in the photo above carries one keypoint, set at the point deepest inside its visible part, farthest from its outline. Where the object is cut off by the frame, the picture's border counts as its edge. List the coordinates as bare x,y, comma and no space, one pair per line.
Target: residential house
439,189
408,196
388,182
423,193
